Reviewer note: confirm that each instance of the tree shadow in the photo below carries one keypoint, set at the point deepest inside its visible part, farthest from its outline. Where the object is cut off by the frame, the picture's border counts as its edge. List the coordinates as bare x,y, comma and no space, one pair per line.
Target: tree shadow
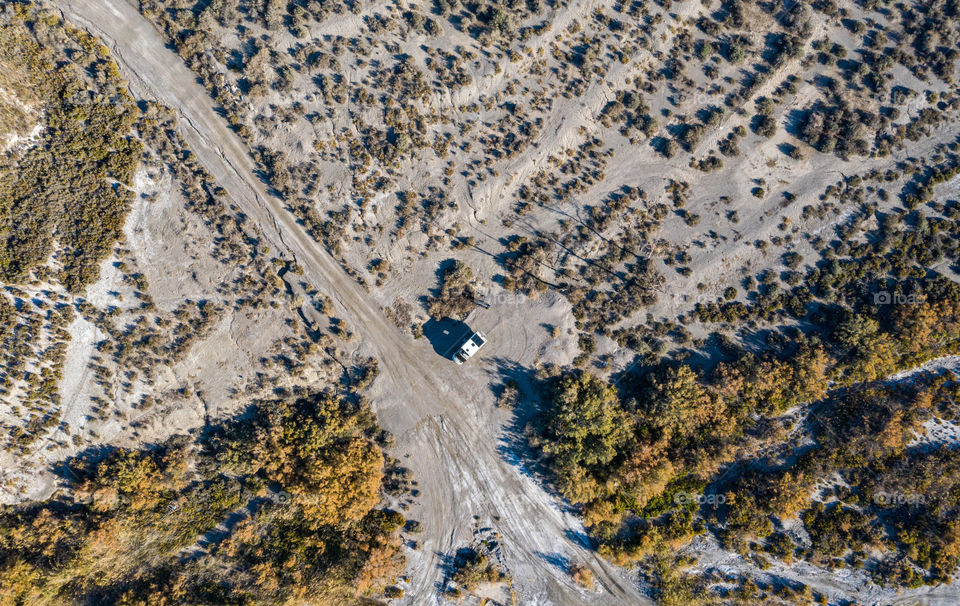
446,335
81,466
513,443
794,122
446,562
787,149
555,559
581,538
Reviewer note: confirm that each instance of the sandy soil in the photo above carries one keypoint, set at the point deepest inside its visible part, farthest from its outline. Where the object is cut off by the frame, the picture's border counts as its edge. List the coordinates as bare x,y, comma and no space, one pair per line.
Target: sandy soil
469,462
441,414
173,250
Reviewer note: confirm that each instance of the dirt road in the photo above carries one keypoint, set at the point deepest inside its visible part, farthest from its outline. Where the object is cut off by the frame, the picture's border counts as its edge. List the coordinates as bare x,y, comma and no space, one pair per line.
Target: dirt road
447,430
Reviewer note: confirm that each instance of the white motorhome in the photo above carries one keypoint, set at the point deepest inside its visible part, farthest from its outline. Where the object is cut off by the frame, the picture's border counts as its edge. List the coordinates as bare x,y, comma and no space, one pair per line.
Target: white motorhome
472,346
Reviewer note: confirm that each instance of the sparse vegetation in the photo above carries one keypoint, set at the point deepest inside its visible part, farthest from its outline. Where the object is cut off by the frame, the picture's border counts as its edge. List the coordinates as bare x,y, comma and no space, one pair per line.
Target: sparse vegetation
720,229
68,194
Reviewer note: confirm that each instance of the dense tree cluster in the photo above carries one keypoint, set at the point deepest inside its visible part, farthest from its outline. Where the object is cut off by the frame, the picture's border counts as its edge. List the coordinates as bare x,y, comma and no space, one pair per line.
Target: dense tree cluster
70,190
302,476
837,129
878,491
618,454
624,457
631,459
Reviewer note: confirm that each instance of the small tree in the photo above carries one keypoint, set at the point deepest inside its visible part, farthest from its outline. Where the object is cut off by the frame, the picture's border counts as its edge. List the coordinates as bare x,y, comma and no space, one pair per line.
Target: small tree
457,293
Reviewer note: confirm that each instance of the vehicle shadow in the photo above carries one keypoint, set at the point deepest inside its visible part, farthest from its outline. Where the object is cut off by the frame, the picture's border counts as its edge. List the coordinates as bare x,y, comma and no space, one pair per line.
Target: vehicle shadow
446,335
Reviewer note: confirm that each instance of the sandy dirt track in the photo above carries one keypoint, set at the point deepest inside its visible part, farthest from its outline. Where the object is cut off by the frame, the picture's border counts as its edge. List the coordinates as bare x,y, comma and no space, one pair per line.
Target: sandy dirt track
431,405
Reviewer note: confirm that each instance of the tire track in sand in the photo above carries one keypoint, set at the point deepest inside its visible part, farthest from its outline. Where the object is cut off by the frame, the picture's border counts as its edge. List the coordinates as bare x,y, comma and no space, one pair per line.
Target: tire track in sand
432,407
